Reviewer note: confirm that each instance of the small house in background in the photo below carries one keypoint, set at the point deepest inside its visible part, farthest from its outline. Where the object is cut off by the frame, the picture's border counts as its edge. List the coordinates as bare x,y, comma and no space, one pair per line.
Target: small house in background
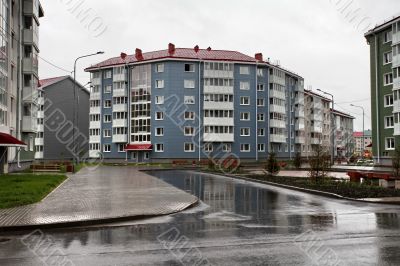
55,134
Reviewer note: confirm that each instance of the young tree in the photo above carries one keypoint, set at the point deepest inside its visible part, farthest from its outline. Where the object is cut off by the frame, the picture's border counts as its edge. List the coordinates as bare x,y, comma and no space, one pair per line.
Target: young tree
396,162
272,166
297,160
319,163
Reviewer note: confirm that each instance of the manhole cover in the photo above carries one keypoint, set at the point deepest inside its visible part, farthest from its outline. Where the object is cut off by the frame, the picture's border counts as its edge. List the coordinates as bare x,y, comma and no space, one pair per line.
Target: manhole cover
4,240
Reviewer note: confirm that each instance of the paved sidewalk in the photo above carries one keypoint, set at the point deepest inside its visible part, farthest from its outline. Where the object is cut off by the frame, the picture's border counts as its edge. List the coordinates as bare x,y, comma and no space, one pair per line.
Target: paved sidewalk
104,194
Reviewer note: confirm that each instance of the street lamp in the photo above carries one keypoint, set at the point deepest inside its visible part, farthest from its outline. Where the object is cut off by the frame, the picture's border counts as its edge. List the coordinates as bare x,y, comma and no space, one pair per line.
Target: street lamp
363,137
332,125
76,103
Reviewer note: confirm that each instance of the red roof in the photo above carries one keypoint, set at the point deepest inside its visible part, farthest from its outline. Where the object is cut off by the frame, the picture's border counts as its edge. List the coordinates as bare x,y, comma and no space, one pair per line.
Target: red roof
180,53
50,81
6,140
138,147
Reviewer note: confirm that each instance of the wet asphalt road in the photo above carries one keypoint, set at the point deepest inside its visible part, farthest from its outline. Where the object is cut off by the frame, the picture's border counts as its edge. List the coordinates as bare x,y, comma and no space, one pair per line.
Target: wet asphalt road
238,223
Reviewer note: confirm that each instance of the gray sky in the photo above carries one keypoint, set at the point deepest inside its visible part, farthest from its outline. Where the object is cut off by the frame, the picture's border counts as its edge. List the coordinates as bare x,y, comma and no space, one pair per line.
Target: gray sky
322,40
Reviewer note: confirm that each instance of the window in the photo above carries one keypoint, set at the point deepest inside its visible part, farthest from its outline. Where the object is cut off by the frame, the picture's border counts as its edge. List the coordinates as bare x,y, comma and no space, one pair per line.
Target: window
387,58
244,85
389,143
189,100
189,131
108,74
189,115
160,68
159,99
245,147
260,72
107,104
107,89
188,84
261,147
387,37
388,100
121,148
159,84
260,87
244,100
244,70
260,117
388,79
226,147
159,115
245,132
146,155
159,131
245,116
208,147
189,67
107,133
260,102
389,122
107,118
106,148
189,147
261,132
159,147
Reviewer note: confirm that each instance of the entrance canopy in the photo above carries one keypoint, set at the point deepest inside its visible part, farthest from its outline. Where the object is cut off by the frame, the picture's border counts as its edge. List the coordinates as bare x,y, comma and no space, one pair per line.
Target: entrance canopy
6,140
138,147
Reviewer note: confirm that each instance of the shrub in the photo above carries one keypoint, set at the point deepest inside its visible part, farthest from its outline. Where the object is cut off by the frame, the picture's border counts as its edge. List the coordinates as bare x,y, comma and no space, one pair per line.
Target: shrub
319,163
297,160
272,167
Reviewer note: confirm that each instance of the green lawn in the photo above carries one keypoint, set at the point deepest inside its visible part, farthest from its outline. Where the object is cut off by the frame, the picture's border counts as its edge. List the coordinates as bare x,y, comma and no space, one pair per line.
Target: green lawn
22,189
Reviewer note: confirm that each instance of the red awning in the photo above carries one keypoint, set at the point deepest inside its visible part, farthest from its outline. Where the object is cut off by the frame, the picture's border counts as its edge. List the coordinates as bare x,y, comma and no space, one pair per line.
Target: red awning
6,140
369,145
138,147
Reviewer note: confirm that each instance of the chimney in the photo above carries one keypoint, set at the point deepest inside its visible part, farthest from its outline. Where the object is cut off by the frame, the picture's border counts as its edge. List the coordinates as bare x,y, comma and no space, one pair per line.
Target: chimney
138,54
171,48
123,56
209,48
196,48
259,57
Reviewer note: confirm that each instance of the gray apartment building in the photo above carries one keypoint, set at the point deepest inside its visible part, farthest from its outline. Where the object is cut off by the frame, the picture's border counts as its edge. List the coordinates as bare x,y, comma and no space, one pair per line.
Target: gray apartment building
55,119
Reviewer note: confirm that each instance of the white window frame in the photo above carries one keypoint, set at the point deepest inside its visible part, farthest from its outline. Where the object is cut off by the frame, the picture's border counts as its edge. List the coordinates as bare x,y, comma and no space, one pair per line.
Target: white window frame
107,135
260,87
160,68
384,79
258,117
162,116
386,62
107,101
242,100
245,132
385,100
191,145
108,89
159,99
387,118
242,114
190,66
386,144
104,147
208,147
189,83
242,145
188,118
123,148
191,131
157,147
263,132
244,70
156,132
244,85
227,147
189,99
159,83
260,102
386,39
263,147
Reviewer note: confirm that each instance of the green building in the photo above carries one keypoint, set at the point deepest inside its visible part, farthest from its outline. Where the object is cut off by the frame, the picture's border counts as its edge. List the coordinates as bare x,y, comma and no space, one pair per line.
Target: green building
384,42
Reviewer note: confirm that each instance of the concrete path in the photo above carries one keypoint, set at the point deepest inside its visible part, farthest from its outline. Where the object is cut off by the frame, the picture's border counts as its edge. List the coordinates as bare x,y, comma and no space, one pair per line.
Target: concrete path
102,194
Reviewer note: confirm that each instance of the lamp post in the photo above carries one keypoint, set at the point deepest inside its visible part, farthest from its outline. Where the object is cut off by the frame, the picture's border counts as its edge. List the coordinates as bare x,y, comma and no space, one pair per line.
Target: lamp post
363,137
76,103
333,127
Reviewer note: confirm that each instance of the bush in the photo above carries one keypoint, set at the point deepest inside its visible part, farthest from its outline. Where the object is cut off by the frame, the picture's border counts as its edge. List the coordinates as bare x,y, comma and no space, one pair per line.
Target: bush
272,166
297,160
319,163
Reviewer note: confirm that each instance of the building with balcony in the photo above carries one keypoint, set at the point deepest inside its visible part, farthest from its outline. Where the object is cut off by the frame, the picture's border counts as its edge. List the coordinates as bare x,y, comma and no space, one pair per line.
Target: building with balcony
344,140
55,120
19,79
384,42
359,139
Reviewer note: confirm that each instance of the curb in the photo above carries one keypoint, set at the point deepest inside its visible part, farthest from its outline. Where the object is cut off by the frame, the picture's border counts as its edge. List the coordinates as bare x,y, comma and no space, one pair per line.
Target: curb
306,190
63,225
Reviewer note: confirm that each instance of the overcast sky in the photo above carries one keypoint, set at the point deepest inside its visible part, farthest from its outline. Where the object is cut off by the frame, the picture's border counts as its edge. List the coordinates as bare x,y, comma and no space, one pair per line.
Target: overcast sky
321,40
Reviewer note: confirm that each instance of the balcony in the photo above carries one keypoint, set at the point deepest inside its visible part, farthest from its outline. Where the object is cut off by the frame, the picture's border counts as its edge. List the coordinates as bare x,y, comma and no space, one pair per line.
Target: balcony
119,138
40,114
396,130
299,100
300,140
29,124
316,117
277,94
316,129
277,109
299,126
94,124
32,7
396,61
94,139
277,80
96,81
396,83
30,94
119,77
299,112
318,105
396,38
120,123
31,37
40,128
396,106
120,93
277,138
217,137
30,65
218,89
38,155
120,107
95,96
39,141
277,123
94,154
315,141
218,74
218,105
218,121
95,110
40,100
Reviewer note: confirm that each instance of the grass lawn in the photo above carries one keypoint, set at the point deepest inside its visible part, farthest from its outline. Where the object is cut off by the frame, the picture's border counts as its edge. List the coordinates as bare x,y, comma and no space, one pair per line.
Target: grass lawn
22,189
343,188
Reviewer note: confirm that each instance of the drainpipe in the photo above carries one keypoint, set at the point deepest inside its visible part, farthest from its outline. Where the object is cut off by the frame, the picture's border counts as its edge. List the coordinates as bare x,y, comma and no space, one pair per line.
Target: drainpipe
377,98
18,101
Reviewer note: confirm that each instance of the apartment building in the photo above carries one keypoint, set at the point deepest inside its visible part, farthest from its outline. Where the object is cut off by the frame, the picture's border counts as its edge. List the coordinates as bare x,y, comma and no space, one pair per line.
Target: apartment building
344,141
384,42
360,138
56,104
18,81
317,122
191,103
